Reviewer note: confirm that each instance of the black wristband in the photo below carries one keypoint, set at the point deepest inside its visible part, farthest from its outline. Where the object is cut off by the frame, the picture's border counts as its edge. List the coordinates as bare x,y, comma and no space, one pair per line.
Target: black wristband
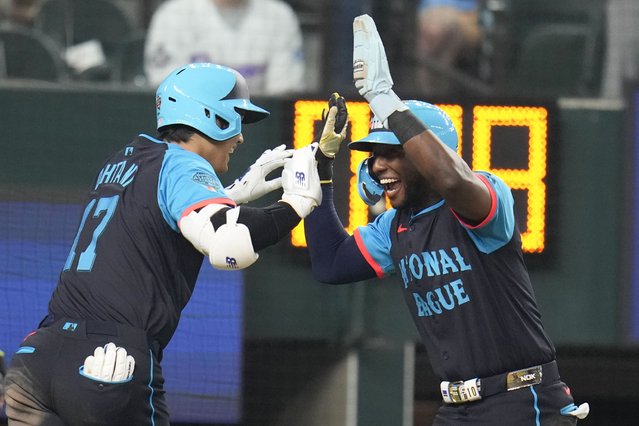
405,125
324,167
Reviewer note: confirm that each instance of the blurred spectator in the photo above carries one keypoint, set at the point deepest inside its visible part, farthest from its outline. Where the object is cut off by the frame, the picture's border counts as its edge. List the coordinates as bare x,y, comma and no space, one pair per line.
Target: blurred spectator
134,9
448,36
259,38
622,50
20,12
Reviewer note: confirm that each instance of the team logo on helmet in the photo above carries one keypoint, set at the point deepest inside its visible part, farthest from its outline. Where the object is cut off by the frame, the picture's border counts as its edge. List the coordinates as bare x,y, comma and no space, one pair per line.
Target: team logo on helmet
376,125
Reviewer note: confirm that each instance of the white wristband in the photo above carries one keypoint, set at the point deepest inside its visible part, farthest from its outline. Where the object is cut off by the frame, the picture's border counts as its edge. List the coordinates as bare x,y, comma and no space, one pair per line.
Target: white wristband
384,104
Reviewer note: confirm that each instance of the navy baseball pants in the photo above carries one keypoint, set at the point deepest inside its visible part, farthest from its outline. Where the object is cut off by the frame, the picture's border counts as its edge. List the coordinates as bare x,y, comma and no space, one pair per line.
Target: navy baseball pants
44,386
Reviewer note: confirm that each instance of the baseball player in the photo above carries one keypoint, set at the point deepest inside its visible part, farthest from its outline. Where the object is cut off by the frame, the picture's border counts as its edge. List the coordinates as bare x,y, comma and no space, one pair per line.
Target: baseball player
154,211
259,38
452,238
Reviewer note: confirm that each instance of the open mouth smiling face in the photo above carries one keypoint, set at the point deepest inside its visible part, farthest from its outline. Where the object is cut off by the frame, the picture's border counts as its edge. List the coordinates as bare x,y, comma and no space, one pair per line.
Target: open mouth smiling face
391,186
387,165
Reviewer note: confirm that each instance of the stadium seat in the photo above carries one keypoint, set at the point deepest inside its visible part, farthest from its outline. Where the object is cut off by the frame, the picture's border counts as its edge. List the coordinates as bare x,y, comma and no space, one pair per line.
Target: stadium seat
26,54
544,47
71,22
129,63
552,61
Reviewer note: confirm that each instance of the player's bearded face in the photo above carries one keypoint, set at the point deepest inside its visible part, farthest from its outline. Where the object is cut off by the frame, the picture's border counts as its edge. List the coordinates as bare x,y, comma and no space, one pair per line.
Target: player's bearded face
417,191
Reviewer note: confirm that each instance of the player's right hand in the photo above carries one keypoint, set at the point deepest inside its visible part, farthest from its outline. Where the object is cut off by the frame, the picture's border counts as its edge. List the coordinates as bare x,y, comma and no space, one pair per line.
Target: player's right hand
370,66
253,184
370,69
109,364
335,126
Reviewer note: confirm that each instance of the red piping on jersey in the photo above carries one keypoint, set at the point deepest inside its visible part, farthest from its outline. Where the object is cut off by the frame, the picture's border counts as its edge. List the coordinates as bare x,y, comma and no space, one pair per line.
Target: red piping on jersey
362,248
205,203
493,205
29,335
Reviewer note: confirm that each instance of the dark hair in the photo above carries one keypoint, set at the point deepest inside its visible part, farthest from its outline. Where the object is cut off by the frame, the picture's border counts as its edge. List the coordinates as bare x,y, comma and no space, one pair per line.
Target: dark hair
176,133
181,132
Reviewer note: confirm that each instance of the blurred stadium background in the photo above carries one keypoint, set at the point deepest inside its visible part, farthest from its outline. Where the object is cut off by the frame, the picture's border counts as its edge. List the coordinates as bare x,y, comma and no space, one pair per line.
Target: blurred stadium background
270,346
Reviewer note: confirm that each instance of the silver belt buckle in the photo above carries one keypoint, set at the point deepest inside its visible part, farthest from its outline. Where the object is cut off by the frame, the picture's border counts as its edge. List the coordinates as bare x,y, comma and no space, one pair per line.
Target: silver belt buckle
523,378
461,391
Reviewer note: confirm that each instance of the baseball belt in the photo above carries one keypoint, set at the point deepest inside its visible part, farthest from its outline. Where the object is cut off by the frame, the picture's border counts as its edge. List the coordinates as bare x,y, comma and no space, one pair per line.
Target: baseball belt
82,327
475,389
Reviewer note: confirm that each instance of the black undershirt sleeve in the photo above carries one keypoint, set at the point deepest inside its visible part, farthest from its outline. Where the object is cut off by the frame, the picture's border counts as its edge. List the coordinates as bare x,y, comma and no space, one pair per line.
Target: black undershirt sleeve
267,225
335,257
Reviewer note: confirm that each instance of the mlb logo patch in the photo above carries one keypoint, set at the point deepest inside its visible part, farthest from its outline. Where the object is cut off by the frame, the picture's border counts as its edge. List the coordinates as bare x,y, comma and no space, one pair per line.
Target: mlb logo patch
70,326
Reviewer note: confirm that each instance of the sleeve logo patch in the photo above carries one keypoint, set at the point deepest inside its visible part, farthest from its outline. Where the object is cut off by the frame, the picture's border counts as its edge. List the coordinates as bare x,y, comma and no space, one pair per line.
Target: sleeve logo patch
208,181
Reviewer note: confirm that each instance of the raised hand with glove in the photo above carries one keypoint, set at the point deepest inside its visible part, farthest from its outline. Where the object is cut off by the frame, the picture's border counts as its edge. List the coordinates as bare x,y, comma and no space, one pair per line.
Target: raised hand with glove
370,69
333,134
253,184
300,181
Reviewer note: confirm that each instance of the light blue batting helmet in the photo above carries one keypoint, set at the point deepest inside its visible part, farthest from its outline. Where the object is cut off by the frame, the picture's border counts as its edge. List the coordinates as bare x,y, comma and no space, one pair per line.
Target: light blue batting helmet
195,94
369,188
433,117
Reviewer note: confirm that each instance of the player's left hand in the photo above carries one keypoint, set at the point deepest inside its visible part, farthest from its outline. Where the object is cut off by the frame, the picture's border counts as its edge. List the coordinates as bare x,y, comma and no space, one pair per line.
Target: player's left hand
253,184
300,181
335,126
109,364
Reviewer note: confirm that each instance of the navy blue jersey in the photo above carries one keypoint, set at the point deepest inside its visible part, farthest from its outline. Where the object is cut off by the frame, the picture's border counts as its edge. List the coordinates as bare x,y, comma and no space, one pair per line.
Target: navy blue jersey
129,263
467,287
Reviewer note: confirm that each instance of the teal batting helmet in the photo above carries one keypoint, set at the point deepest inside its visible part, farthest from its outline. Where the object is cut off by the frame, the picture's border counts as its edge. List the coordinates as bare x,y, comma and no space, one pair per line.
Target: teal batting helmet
432,116
196,94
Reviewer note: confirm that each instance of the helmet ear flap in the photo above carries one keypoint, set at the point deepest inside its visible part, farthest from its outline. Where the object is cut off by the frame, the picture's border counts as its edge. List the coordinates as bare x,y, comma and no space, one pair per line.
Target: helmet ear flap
369,188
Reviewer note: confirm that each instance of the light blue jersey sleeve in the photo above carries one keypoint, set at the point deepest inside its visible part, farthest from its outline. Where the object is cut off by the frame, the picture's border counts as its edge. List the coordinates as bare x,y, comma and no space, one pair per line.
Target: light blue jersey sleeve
373,241
497,229
187,182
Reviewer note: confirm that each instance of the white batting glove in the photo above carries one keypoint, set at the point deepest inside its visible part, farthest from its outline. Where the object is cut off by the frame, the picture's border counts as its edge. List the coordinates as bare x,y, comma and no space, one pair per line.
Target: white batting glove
300,181
581,412
370,69
109,364
253,184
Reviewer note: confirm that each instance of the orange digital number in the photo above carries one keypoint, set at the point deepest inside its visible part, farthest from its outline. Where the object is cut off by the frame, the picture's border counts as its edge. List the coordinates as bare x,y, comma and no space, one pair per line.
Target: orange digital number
530,179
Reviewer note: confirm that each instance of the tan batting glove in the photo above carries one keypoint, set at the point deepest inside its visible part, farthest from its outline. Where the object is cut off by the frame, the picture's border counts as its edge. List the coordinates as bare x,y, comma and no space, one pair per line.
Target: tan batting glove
335,126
